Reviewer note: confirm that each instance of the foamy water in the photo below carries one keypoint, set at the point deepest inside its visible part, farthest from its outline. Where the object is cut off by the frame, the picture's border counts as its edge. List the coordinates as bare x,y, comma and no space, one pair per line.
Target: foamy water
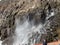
25,31
1,42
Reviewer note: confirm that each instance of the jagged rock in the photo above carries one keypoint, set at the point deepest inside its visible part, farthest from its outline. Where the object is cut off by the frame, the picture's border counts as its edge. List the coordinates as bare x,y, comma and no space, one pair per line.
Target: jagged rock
11,9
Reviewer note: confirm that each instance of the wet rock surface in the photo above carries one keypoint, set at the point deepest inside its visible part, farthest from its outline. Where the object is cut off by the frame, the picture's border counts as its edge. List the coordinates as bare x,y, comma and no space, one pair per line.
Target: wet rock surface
34,9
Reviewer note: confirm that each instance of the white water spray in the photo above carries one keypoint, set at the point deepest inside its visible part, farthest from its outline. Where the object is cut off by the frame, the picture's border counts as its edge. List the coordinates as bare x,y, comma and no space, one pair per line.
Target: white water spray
27,33
24,32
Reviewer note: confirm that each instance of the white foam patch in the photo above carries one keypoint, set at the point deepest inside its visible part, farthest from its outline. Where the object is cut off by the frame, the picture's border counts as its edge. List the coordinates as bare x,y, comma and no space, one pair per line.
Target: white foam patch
0,42
24,32
0,0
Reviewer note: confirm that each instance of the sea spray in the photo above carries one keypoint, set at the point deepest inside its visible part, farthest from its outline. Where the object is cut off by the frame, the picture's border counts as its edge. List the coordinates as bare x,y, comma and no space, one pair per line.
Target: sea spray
27,33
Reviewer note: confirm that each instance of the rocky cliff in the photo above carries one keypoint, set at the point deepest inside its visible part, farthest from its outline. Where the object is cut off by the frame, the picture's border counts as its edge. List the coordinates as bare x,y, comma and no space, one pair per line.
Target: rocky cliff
12,9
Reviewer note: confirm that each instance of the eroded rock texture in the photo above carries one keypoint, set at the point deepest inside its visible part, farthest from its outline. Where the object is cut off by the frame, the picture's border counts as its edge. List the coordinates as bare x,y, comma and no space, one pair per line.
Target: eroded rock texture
35,9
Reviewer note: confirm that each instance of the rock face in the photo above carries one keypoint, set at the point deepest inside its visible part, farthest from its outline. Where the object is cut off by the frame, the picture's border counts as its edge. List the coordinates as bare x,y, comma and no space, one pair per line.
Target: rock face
37,10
